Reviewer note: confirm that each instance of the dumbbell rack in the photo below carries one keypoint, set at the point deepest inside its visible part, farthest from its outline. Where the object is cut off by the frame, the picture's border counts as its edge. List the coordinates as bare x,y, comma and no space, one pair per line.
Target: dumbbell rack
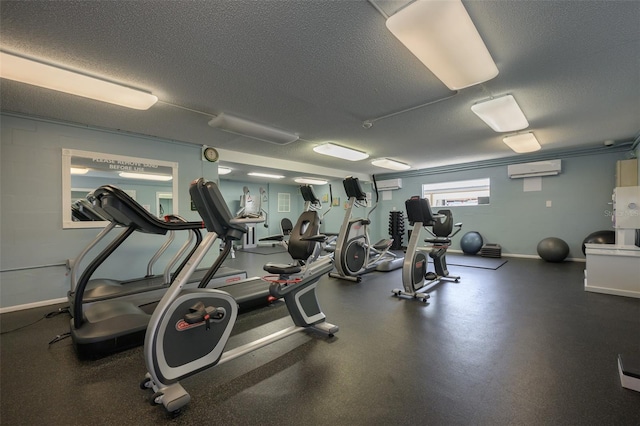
396,229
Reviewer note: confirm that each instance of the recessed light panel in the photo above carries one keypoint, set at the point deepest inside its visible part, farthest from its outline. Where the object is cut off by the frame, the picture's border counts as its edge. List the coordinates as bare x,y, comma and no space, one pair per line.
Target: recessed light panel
340,152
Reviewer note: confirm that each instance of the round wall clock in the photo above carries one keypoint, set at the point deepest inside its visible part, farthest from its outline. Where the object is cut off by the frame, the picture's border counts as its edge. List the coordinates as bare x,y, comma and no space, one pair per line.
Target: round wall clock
210,154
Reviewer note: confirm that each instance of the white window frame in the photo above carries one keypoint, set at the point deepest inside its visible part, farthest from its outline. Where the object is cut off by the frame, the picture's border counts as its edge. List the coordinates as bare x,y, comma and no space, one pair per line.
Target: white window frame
462,193
284,202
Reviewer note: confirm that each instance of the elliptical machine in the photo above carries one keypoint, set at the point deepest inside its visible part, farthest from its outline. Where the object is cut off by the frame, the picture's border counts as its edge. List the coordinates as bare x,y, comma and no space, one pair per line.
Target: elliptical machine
354,253
190,328
414,270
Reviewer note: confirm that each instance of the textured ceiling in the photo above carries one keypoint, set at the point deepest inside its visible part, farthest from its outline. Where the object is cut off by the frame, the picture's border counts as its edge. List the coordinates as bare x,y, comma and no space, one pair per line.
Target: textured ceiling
322,68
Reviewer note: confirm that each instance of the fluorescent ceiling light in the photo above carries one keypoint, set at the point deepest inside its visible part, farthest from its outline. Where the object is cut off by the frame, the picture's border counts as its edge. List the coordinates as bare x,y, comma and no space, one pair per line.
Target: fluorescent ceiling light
501,114
340,152
310,181
79,170
522,143
390,164
145,176
265,175
38,74
223,170
442,35
242,127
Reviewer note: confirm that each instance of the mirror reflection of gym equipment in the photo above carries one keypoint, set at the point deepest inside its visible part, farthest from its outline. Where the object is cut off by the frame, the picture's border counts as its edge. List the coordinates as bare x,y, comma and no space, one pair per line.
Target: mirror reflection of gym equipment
152,183
251,208
164,203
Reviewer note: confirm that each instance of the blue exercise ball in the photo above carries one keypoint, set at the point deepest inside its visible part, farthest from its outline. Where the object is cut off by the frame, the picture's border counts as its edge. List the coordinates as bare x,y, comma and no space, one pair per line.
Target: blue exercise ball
471,242
553,249
599,237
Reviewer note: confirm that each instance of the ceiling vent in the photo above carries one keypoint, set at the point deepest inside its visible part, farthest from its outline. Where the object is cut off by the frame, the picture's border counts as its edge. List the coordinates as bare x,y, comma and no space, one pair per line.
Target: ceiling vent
242,127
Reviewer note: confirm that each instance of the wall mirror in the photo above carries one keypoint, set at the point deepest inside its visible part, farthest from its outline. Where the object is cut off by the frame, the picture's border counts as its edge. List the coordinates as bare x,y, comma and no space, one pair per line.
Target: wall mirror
152,183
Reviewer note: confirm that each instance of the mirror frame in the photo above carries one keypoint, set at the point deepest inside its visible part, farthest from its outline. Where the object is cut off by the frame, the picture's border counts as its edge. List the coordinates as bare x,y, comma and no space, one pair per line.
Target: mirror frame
67,222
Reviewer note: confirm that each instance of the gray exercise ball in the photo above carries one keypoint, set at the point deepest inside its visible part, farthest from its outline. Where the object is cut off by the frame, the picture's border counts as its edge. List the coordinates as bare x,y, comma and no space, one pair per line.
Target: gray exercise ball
471,242
599,237
553,249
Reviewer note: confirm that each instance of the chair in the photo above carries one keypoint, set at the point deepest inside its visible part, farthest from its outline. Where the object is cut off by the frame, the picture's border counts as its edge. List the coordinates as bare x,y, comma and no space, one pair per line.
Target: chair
286,226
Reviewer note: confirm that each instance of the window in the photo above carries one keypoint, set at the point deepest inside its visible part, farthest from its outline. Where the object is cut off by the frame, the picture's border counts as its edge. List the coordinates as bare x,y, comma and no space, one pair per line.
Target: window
460,193
284,202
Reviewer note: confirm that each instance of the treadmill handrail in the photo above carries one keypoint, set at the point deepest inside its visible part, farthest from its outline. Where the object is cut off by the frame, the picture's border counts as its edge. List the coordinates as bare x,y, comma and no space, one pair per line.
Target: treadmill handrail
76,262
198,240
122,210
135,213
78,317
194,234
160,252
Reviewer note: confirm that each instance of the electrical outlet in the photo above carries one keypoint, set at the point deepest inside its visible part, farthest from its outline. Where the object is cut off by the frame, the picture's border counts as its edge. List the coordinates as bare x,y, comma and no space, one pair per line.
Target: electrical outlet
548,203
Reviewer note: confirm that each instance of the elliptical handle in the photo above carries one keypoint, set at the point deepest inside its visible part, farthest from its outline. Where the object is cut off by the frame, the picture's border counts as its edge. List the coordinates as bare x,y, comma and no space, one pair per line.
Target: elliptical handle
330,203
375,188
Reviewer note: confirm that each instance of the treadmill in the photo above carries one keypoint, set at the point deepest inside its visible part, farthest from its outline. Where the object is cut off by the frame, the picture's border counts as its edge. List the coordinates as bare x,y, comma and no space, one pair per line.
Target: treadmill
114,325
150,288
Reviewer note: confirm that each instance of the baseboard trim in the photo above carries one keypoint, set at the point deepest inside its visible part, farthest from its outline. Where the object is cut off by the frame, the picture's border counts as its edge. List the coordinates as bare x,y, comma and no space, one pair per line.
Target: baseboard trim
64,299
32,305
528,256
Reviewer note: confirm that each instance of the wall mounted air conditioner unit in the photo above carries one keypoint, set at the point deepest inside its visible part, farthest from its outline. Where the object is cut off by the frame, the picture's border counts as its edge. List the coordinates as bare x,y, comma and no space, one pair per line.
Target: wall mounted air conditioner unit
537,168
389,184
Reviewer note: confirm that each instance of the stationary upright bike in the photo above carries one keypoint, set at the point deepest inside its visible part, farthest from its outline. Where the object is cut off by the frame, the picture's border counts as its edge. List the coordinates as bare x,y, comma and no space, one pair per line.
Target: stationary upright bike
189,329
414,270
354,253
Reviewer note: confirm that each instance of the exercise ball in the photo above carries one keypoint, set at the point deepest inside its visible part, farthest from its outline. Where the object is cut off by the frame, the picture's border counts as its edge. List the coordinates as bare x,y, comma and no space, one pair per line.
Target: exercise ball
471,242
599,237
553,249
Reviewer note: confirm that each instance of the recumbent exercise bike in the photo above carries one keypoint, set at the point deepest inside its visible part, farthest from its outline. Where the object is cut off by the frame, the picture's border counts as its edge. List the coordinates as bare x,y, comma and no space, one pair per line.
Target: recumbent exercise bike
414,270
189,329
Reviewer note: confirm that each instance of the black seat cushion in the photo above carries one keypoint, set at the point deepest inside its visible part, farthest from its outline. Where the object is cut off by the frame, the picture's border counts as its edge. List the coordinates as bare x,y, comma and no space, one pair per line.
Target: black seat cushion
282,268
443,226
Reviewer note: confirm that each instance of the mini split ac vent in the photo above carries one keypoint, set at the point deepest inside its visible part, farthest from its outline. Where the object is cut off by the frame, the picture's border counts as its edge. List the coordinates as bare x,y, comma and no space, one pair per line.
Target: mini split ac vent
537,168
390,184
